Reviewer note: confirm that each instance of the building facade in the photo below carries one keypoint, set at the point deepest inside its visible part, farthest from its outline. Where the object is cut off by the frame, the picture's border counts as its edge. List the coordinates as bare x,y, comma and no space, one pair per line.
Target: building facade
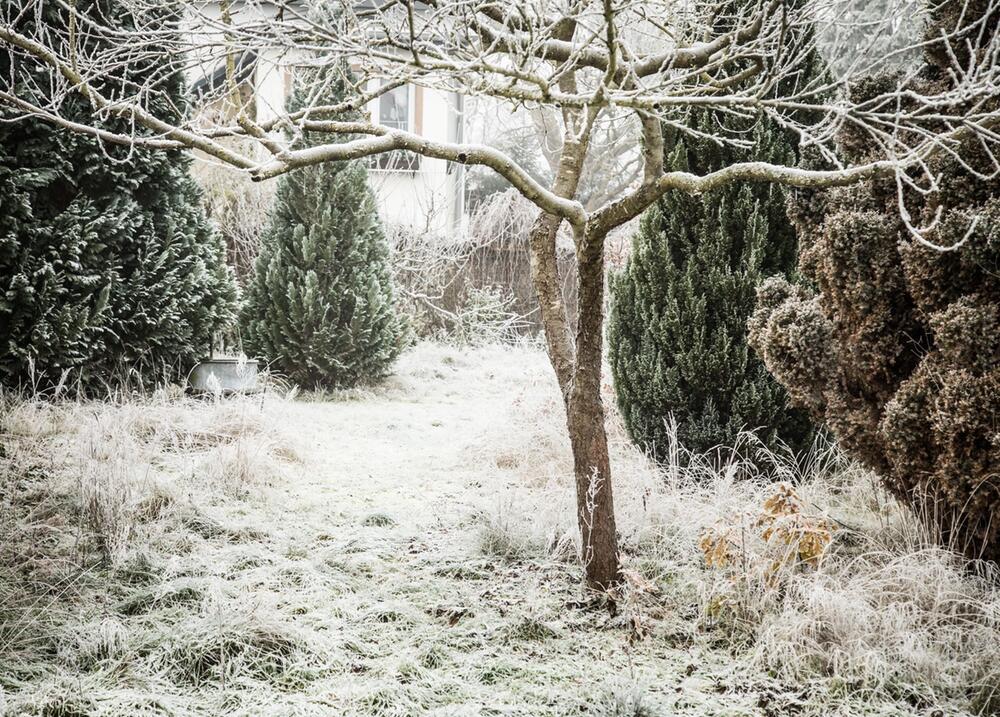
417,193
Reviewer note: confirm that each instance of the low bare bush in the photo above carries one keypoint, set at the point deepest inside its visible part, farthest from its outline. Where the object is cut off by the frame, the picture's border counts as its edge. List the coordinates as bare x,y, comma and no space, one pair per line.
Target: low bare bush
239,208
477,288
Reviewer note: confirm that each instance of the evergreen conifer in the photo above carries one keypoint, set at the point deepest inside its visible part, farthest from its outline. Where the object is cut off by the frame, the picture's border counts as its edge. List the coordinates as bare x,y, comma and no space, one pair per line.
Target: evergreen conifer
320,305
107,262
677,328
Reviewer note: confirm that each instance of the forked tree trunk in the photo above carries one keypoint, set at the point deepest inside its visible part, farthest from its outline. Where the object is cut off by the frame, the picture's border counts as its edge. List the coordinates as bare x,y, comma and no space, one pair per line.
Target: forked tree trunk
577,365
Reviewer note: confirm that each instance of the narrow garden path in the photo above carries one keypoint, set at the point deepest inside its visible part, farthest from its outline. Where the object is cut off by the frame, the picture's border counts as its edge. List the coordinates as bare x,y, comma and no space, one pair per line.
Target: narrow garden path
434,603
407,449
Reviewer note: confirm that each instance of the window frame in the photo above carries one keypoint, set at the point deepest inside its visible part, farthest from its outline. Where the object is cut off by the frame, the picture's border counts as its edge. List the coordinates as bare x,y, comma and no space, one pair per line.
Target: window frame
396,160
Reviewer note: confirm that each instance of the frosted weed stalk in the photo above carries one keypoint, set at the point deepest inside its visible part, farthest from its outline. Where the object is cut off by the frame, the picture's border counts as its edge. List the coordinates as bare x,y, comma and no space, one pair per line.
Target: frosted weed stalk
109,482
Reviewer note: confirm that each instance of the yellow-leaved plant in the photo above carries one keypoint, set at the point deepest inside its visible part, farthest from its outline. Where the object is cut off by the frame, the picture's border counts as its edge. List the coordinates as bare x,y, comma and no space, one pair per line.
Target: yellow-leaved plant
756,552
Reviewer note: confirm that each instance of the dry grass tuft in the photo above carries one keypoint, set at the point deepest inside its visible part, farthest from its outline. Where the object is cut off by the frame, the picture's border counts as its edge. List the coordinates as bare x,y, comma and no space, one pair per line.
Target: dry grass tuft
108,486
497,539
378,520
145,601
624,701
88,644
220,647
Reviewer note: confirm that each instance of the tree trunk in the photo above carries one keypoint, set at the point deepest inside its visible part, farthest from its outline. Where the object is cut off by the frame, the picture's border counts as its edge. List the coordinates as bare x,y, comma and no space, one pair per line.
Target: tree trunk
595,505
577,366
548,289
585,418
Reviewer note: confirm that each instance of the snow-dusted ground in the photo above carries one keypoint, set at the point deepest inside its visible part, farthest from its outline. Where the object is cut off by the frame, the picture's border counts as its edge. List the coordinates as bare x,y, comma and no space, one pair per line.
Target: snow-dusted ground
409,550
429,504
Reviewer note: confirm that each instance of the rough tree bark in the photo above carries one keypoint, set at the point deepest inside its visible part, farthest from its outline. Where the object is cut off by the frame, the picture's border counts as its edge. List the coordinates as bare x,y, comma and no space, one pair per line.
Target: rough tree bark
577,366
585,418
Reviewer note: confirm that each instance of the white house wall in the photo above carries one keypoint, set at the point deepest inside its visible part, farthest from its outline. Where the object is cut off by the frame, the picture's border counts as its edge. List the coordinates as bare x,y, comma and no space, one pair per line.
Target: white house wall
270,87
431,198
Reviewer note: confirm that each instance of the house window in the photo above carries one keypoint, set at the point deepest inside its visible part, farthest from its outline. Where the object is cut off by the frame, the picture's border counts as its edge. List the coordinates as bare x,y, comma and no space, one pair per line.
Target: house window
394,112
394,109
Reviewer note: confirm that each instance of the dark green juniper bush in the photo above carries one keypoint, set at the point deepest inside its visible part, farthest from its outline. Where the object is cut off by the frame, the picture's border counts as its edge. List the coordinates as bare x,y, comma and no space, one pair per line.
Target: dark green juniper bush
107,262
677,333
677,325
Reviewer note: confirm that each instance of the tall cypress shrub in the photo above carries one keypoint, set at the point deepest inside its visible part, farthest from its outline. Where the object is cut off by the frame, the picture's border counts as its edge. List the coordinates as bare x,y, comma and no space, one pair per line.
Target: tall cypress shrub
677,327
107,262
320,306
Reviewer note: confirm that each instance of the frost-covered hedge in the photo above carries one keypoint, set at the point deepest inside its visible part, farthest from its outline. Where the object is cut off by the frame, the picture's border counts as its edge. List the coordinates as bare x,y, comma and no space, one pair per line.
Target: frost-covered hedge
107,261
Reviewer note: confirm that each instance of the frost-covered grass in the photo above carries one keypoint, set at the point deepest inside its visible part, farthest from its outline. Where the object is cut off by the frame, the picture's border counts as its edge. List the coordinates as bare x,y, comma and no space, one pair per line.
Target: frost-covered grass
410,549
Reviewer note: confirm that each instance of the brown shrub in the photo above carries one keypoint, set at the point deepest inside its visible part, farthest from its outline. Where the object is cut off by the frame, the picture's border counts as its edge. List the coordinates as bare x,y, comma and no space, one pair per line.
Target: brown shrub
898,348
483,278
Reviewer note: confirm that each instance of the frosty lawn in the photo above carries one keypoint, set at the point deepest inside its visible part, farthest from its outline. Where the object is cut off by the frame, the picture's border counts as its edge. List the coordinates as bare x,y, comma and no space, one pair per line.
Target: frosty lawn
410,550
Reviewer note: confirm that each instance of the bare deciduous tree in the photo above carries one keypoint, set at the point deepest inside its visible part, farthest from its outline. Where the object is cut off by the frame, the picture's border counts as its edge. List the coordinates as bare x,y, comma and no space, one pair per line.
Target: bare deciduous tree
586,62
